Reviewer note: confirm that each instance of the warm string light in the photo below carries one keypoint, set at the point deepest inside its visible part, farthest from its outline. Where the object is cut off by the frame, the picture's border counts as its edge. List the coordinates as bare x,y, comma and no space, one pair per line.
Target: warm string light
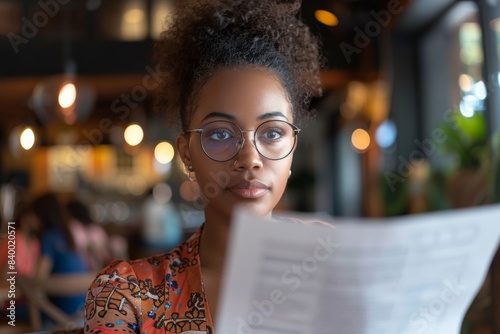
27,139
67,95
326,17
133,134
360,140
164,152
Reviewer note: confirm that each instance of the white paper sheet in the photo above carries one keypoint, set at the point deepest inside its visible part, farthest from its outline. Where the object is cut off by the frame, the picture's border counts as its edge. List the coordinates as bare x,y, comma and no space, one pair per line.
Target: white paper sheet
413,274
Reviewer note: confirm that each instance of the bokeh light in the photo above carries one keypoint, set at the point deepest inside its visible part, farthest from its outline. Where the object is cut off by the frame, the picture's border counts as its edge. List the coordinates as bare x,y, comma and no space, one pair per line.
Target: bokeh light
133,134
386,134
466,82
162,193
27,139
123,211
326,17
189,191
360,140
480,90
136,185
164,152
67,95
134,15
468,105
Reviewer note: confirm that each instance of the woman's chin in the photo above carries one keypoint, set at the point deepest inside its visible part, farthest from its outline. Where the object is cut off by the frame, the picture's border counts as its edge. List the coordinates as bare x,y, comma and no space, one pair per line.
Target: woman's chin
253,208
226,205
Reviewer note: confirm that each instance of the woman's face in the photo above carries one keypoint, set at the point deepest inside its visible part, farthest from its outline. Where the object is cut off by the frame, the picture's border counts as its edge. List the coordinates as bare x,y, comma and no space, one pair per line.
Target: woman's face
246,97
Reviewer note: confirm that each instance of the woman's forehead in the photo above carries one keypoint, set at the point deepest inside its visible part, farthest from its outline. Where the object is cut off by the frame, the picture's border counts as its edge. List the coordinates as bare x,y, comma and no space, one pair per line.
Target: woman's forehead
243,93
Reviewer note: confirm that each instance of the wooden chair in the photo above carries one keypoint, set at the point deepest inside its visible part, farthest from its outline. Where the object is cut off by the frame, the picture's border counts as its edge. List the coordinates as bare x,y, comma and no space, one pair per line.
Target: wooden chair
38,293
5,328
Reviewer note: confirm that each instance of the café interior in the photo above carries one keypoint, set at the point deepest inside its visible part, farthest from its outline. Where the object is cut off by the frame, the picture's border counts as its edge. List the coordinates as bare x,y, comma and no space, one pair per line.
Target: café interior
78,120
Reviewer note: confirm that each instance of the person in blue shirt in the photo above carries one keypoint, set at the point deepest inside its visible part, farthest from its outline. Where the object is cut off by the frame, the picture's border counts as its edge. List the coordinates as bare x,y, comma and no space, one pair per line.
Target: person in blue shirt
58,251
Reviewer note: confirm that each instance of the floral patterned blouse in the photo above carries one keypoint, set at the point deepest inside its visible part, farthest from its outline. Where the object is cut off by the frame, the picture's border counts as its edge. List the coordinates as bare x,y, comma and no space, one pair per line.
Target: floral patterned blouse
159,294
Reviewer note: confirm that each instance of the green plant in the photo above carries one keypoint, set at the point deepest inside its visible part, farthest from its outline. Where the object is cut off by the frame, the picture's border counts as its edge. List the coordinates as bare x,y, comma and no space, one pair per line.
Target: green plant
467,139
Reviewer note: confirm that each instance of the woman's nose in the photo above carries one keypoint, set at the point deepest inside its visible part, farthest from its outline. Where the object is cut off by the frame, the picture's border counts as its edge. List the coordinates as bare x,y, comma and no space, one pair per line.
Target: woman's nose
248,157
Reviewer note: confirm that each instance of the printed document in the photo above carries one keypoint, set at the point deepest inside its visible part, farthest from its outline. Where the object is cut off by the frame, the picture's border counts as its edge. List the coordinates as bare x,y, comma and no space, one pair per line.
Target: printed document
404,275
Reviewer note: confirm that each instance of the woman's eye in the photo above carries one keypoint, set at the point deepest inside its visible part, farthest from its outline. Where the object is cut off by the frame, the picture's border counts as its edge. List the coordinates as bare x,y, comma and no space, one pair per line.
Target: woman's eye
273,134
220,134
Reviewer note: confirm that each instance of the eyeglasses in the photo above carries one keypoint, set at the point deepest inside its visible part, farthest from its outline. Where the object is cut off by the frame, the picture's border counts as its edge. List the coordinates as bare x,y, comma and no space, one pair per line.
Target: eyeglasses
222,140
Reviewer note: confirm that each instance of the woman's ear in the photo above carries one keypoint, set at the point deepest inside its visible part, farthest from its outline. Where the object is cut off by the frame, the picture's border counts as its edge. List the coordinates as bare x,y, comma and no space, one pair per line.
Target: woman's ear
296,144
182,145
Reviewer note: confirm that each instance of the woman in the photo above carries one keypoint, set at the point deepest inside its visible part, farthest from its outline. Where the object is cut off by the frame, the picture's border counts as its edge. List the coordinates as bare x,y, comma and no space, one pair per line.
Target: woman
58,255
237,75
20,243
26,243
91,240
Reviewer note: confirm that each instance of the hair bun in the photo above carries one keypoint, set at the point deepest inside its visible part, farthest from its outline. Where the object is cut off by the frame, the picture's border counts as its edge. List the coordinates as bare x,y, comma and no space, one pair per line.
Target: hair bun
208,34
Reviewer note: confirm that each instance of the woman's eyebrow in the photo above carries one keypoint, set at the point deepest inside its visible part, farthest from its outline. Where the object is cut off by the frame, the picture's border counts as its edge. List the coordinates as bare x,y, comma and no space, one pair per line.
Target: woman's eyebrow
271,115
219,114
232,117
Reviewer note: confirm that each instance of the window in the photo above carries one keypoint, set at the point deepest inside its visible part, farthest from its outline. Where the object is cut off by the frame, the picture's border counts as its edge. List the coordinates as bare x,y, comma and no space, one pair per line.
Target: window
472,89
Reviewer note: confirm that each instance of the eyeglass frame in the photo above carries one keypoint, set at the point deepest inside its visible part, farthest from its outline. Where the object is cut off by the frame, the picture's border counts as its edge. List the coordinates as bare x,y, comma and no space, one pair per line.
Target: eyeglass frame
200,130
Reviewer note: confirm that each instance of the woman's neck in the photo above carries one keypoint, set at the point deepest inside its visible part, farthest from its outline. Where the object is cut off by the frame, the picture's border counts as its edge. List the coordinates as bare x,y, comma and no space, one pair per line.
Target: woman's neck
213,242
212,254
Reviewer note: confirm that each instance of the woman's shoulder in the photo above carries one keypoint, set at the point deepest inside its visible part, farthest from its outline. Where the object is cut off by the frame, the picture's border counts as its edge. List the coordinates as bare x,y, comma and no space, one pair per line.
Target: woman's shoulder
159,291
155,267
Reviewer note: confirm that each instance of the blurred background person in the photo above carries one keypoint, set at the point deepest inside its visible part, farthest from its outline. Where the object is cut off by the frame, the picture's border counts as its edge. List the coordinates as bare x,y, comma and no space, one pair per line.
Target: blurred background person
59,254
162,229
27,245
26,256
91,240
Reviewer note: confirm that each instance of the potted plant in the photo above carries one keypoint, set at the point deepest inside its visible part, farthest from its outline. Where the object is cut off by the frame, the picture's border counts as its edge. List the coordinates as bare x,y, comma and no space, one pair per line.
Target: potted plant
467,141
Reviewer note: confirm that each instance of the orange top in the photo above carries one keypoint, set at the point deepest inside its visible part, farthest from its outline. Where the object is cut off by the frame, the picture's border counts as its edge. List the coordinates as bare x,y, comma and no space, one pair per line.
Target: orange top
159,294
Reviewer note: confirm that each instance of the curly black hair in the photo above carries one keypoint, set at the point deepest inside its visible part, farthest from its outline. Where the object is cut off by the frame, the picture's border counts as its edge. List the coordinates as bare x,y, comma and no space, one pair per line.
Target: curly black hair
207,35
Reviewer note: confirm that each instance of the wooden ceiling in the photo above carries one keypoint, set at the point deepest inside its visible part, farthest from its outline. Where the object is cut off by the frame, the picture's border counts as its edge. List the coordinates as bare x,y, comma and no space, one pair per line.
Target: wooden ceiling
16,92
114,68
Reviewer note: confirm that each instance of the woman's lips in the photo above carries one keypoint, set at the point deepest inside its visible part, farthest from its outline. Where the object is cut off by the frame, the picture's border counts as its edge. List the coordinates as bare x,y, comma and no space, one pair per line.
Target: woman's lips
249,189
